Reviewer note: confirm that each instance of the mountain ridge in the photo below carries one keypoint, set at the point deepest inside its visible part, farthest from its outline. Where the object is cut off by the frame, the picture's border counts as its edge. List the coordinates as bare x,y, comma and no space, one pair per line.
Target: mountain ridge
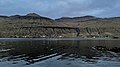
12,26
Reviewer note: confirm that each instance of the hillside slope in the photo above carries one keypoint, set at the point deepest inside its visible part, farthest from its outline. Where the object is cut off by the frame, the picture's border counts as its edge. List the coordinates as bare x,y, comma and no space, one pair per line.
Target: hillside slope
34,25
31,25
93,26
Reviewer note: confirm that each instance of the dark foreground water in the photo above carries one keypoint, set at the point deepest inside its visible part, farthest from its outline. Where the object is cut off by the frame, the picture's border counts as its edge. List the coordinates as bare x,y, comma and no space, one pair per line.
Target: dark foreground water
59,53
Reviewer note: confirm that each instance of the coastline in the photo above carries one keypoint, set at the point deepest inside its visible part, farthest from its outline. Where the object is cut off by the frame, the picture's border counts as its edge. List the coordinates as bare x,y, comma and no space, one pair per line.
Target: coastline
76,38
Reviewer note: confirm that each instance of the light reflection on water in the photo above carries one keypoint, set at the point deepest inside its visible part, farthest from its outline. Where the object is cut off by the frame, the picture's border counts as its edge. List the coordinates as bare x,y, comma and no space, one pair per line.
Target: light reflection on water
61,53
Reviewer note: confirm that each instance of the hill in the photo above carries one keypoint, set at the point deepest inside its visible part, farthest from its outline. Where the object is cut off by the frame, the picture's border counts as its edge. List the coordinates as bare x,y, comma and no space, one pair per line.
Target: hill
93,26
33,25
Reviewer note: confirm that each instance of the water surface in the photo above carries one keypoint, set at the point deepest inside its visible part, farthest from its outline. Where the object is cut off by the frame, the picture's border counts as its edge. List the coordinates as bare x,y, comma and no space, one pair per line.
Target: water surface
59,52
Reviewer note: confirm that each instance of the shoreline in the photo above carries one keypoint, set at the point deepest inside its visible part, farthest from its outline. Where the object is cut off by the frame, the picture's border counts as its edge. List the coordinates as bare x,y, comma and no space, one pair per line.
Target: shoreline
77,38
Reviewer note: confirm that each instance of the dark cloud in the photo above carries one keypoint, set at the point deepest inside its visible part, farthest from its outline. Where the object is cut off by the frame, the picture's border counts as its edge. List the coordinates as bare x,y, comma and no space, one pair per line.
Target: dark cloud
59,8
